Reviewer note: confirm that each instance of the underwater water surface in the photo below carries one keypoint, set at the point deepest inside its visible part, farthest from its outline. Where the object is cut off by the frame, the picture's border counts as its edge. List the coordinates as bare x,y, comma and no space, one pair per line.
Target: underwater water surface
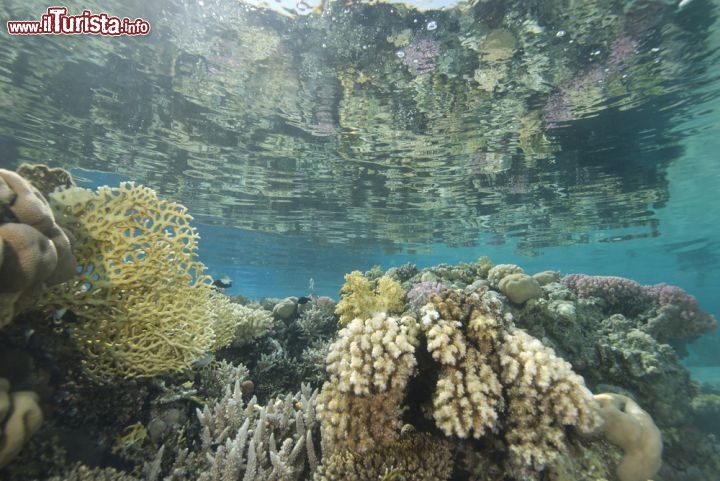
312,139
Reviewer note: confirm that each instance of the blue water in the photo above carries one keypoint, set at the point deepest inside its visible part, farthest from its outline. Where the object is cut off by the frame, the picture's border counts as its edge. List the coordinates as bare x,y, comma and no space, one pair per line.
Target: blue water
572,136
121,132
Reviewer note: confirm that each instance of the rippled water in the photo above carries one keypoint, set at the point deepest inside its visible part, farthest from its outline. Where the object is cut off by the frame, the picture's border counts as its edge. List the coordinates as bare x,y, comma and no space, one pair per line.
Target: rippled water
382,131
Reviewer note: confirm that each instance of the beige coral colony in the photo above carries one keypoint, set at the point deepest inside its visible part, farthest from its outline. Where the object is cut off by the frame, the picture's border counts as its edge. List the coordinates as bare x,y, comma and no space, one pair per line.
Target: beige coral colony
413,387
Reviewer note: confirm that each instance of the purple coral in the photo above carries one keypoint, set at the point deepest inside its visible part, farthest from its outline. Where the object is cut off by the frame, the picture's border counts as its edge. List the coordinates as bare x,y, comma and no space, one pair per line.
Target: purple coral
668,312
622,295
421,291
679,314
420,54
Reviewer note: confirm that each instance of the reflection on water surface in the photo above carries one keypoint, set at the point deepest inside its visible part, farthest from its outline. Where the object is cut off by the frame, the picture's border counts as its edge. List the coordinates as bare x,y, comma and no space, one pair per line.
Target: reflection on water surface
496,122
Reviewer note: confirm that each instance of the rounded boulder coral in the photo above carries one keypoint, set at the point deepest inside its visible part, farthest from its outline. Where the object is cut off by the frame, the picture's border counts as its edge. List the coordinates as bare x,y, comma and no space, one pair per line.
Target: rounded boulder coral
36,252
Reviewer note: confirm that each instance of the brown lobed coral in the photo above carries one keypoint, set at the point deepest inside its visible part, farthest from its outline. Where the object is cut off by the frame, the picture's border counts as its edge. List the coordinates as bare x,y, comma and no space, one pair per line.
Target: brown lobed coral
35,251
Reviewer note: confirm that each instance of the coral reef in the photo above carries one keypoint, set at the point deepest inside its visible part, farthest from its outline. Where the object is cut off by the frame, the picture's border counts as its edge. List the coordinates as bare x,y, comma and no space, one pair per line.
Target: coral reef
80,472
242,440
491,380
622,295
419,293
466,384
235,323
519,287
512,281
677,314
668,312
414,457
369,365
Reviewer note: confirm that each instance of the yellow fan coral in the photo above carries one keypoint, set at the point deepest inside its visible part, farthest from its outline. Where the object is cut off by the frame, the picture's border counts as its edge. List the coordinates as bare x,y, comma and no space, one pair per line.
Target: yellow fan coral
140,295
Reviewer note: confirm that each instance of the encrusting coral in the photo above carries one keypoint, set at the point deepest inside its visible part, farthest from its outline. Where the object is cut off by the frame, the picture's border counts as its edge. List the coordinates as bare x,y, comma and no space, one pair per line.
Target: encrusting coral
35,251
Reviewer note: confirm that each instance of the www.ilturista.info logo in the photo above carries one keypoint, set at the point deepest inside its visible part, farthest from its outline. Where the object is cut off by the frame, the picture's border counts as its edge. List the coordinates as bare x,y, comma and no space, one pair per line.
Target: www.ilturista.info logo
57,21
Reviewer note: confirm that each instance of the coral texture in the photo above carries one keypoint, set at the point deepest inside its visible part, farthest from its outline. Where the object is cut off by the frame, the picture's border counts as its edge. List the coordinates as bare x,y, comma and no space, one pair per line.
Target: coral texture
500,271
629,426
142,301
361,298
242,440
35,251
369,366
235,323
491,379
417,457
20,417
679,315
519,287
543,395
671,313
622,295
80,472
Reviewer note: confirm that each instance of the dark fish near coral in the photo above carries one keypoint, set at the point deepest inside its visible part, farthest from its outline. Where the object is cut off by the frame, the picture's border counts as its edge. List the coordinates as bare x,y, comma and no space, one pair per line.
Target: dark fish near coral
223,282
304,300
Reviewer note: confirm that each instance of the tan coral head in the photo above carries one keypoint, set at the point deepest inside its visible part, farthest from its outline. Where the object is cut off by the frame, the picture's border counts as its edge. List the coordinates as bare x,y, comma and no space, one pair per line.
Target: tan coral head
20,418
36,252
631,428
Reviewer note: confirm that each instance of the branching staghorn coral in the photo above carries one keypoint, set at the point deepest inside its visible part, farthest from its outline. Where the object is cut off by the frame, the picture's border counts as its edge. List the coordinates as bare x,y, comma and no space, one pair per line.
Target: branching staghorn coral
242,440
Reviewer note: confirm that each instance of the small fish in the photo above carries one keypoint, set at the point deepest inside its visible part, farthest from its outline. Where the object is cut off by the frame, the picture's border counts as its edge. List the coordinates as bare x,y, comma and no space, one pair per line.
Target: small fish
63,315
303,300
223,282
58,314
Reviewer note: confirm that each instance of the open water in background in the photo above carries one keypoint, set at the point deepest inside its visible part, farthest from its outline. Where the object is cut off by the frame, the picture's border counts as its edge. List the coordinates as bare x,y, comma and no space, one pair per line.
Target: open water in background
114,109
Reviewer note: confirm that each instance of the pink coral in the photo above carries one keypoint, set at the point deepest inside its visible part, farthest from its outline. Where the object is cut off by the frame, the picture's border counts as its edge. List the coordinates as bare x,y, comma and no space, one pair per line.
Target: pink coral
679,314
420,54
622,295
421,292
669,312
